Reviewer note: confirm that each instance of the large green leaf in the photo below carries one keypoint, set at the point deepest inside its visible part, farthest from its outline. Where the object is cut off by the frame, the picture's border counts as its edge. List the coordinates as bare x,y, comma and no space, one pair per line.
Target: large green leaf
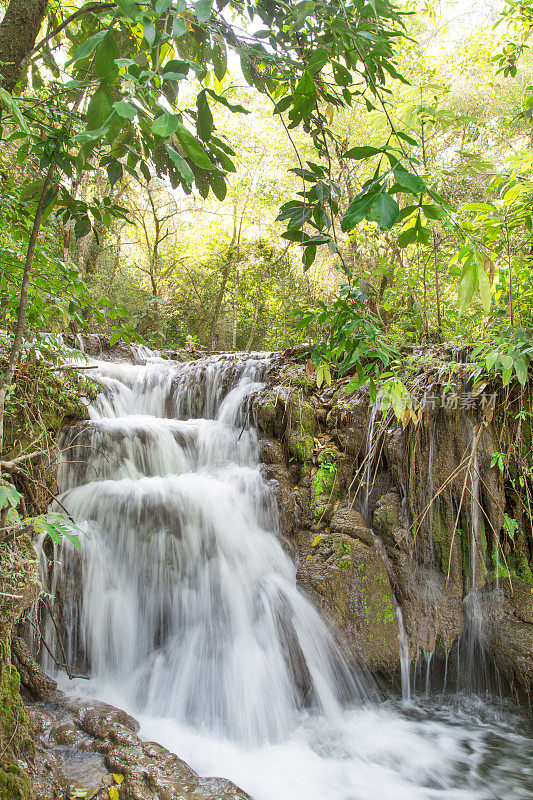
181,165
204,122
165,125
218,185
87,47
467,284
203,10
484,285
358,209
220,56
125,109
100,107
385,211
104,59
362,152
407,180
193,148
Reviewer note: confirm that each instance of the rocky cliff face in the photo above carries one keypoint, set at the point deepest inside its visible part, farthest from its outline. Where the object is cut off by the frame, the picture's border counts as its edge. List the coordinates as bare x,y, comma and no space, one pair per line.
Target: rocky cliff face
381,512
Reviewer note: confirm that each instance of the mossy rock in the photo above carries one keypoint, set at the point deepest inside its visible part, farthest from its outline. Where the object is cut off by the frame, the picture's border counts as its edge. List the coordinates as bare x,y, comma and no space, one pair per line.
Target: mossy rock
301,446
301,415
325,484
16,738
354,589
296,375
266,409
14,783
441,545
386,519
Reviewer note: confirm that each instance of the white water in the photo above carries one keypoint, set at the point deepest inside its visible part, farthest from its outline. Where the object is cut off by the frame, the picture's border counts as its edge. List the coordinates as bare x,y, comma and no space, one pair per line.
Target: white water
185,609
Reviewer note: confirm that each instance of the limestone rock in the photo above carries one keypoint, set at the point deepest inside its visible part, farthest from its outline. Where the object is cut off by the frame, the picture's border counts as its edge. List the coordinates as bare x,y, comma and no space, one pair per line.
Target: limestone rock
386,521
271,451
349,522
350,583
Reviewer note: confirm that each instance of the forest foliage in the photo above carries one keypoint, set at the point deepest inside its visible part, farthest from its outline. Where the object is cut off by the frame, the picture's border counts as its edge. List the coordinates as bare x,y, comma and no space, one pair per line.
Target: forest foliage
236,176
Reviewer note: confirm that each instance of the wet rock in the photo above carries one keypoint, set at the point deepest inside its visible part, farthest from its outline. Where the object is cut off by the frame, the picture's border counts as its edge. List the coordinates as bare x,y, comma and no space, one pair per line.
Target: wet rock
152,773
386,521
296,375
100,719
349,522
349,581
284,493
511,643
68,734
348,420
31,675
271,451
432,610
267,409
520,598
80,743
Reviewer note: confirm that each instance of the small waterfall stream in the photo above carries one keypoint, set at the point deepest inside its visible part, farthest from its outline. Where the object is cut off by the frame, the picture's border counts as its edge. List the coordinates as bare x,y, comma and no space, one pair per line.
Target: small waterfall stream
184,609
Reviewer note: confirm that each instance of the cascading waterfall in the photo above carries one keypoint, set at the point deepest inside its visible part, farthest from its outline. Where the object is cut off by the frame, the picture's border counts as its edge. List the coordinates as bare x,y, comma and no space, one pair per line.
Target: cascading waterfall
188,600
184,609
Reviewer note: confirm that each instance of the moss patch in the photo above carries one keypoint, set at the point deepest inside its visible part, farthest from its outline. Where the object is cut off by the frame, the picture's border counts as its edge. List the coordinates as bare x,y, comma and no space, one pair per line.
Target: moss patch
16,740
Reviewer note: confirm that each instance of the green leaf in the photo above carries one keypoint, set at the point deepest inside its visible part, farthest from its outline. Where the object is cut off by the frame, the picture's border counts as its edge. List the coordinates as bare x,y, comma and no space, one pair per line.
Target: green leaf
218,185
385,211
343,77
484,285
104,60
165,125
181,165
220,56
203,10
232,106
433,211
125,109
478,207
407,236
100,107
193,148
9,496
11,104
407,180
127,9
362,152
358,209
507,361
149,32
175,70
114,172
87,47
179,27
520,367
82,227
309,256
204,122
113,339
467,285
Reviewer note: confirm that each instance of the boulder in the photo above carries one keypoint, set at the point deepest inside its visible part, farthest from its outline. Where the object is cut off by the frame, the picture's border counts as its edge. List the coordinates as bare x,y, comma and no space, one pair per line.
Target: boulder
349,581
349,522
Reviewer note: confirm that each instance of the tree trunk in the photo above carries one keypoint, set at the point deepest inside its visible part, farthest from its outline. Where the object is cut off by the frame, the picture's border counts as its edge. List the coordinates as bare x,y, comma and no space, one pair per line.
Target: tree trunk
256,314
16,346
218,304
18,33
235,309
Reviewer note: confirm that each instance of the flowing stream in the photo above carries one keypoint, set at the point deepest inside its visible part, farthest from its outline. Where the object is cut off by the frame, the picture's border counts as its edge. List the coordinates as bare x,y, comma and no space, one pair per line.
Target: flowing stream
184,608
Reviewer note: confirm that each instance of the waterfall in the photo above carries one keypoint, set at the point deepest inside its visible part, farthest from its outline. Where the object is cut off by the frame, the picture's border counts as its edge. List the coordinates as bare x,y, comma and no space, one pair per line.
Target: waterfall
182,595
182,607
